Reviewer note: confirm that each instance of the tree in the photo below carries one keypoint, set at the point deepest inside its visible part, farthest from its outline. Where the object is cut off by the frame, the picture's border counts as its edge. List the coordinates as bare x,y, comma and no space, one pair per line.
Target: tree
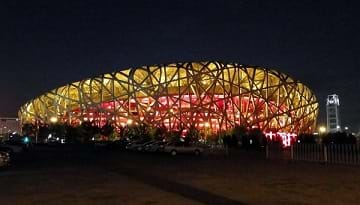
142,132
239,132
106,130
306,138
158,133
213,139
339,138
257,138
43,132
192,135
29,129
136,132
174,136
58,130
81,133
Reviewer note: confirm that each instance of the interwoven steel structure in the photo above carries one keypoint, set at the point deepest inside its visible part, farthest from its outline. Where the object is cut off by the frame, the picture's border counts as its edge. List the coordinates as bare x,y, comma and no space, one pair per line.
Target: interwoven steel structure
212,95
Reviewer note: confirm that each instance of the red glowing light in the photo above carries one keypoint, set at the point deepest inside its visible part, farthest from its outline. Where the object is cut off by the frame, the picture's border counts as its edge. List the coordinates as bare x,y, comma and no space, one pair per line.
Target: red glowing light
176,111
285,137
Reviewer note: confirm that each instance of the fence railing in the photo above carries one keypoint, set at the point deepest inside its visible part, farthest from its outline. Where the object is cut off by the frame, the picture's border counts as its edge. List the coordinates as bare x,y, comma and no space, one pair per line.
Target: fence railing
333,153
308,152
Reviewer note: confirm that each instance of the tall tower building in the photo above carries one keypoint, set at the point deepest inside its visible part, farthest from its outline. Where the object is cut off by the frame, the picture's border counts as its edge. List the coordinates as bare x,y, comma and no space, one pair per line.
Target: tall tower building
332,113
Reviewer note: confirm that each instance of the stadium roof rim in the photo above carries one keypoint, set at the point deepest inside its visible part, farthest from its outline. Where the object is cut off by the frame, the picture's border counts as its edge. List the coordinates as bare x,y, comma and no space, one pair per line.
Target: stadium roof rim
273,70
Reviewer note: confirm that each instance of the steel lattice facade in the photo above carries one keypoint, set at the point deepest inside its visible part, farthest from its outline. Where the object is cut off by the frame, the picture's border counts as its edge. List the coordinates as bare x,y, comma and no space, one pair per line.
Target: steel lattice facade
212,95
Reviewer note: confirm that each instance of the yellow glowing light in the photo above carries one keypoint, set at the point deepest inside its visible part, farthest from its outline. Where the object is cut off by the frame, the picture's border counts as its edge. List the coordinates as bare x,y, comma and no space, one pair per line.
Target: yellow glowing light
322,129
142,94
53,119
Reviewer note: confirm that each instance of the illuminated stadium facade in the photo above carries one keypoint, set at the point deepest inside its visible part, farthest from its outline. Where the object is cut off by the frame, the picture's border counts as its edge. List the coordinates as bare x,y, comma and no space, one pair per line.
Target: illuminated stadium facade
210,95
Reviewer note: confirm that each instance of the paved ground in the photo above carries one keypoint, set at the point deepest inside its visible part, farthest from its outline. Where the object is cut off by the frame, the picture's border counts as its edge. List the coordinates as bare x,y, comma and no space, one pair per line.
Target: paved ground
82,175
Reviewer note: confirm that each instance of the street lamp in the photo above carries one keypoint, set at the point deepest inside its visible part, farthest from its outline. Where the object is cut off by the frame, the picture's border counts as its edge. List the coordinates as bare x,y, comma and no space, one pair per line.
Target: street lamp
322,129
53,119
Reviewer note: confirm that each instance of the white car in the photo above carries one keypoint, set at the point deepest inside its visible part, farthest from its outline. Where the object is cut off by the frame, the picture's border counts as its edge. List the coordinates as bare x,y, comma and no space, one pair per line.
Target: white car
182,148
143,146
155,147
135,146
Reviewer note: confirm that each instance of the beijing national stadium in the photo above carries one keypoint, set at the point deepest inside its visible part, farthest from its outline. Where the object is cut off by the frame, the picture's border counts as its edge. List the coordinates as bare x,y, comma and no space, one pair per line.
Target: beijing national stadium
210,95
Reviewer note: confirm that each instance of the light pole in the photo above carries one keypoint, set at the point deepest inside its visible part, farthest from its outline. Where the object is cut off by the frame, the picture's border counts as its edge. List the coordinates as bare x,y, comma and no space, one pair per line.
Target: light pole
207,129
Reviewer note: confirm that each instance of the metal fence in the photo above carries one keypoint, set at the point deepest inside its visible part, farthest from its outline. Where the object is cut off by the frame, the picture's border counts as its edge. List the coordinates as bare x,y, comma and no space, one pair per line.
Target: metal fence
333,154
308,152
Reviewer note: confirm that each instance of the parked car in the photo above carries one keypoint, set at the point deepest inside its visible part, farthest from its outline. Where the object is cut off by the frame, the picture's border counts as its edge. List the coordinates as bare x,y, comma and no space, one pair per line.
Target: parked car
134,145
14,147
157,146
4,158
143,146
182,148
5,149
101,144
118,144
56,140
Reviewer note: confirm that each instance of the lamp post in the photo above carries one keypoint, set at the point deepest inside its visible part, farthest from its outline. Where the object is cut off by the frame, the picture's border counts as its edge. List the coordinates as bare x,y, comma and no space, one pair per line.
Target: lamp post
322,131
53,120
207,130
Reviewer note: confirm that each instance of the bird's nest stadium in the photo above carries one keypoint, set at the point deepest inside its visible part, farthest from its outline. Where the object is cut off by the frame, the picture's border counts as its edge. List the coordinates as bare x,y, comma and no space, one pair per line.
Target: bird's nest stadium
210,95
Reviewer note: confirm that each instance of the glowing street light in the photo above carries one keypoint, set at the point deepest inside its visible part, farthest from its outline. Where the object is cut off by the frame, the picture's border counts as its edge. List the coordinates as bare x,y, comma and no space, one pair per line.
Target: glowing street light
322,129
53,119
129,122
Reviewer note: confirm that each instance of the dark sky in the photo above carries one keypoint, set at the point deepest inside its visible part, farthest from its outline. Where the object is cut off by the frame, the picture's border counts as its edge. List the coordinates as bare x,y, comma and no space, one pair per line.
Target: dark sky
46,44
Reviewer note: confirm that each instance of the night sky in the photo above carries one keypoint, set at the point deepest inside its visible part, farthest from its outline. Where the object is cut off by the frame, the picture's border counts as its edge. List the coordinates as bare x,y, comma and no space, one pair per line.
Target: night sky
46,44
